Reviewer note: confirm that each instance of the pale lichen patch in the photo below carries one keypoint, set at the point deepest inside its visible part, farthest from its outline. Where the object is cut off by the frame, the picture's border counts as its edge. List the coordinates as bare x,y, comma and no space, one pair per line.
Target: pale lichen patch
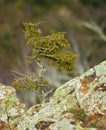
100,70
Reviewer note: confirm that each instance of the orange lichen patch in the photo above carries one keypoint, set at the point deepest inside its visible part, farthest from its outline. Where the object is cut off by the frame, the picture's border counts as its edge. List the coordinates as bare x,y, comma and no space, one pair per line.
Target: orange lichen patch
98,121
84,81
84,89
93,117
85,85
3,125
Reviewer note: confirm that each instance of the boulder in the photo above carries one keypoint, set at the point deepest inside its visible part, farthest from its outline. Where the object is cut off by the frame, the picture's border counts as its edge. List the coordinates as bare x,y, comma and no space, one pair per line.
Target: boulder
79,104
11,109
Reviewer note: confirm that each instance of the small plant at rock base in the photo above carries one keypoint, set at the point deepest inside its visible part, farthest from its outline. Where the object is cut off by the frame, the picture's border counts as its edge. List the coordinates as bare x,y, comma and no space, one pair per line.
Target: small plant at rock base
54,49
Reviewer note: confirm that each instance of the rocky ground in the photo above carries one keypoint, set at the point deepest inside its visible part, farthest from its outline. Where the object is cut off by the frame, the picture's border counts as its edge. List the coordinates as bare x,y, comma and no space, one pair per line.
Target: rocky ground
79,104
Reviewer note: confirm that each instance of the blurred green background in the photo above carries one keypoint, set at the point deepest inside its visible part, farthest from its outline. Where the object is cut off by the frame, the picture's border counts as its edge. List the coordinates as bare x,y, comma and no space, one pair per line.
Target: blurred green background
83,20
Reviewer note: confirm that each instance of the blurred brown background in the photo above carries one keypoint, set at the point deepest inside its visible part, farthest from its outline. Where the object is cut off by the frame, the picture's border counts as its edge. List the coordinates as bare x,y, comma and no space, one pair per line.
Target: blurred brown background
83,20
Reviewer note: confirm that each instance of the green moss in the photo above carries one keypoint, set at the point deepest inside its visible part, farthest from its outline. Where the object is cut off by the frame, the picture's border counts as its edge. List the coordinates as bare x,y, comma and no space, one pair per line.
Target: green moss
94,125
79,114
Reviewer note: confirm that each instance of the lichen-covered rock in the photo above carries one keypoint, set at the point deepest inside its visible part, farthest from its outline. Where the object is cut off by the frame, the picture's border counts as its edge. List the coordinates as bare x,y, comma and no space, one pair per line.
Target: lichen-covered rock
10,107
80,104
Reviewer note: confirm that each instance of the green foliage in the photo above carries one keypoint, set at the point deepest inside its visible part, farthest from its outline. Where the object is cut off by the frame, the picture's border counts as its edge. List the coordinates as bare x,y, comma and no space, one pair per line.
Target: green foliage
54,48
29,83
